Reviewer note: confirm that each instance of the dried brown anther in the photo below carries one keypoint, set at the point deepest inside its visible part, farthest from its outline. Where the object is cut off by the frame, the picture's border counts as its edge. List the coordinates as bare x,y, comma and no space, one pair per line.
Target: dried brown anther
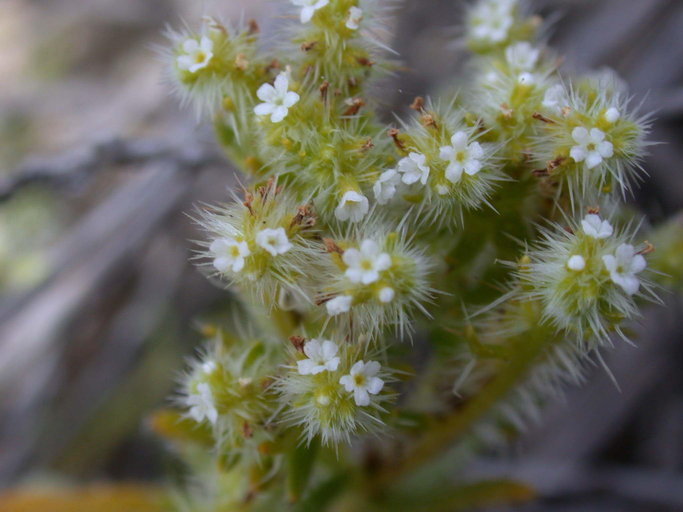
649,248
354,106
298,343
304,217
331,246
252,27
540,117
393,133
418,104
428,121
324,87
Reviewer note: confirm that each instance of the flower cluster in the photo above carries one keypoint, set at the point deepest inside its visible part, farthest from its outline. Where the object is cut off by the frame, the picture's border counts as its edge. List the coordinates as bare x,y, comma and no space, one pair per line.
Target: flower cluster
263,243
592,141
587,276
376,281
364,233
332,393
228,391
444,168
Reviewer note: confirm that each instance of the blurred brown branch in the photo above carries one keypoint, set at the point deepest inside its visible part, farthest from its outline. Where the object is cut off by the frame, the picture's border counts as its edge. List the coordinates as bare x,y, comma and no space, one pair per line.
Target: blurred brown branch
76,167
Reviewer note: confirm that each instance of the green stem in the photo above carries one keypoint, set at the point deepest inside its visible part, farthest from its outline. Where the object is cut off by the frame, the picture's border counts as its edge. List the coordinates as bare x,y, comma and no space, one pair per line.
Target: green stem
459,422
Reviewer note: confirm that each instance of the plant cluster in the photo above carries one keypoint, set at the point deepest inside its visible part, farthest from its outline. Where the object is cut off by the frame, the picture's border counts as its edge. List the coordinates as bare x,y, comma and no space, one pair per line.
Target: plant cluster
403,287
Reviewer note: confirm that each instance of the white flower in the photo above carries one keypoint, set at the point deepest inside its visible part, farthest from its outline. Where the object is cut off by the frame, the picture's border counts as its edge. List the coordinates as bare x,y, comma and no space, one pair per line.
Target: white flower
555,98
362,380
414,168
624,266
196,54
229,254
208,367
201,404
591,146
612,115
352,207
576,263
339,305
321,357
462,157
365,265
595,227
442,190
522,56
354,18
492,20
274,241
277,99
385,186
526,79
309,7
386,294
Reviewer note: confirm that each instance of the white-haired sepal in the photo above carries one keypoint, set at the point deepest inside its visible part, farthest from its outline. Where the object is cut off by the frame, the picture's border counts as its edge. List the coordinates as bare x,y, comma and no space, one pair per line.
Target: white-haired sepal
378,281
590,140
587,277
266,243
338,395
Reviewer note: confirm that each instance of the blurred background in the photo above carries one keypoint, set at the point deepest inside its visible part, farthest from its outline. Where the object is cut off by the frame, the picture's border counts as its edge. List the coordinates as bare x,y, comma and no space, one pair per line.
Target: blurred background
99,305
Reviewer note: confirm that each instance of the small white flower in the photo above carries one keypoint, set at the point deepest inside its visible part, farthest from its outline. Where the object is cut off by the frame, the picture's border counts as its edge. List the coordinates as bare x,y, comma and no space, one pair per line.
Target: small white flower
308,8
196,54
208,367
364,265
612,115
385,186
321,357
414,168
492,20
591,146
624,266
354,18
339,305
442,190
362,381
229,254
277,99
522,56
352,207
201,404
576,263
386,294
555,98
461,157
595,227
526,79
274,241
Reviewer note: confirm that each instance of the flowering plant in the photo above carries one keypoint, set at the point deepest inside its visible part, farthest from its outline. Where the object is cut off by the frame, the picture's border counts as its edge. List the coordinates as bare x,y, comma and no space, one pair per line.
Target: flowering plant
401,289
